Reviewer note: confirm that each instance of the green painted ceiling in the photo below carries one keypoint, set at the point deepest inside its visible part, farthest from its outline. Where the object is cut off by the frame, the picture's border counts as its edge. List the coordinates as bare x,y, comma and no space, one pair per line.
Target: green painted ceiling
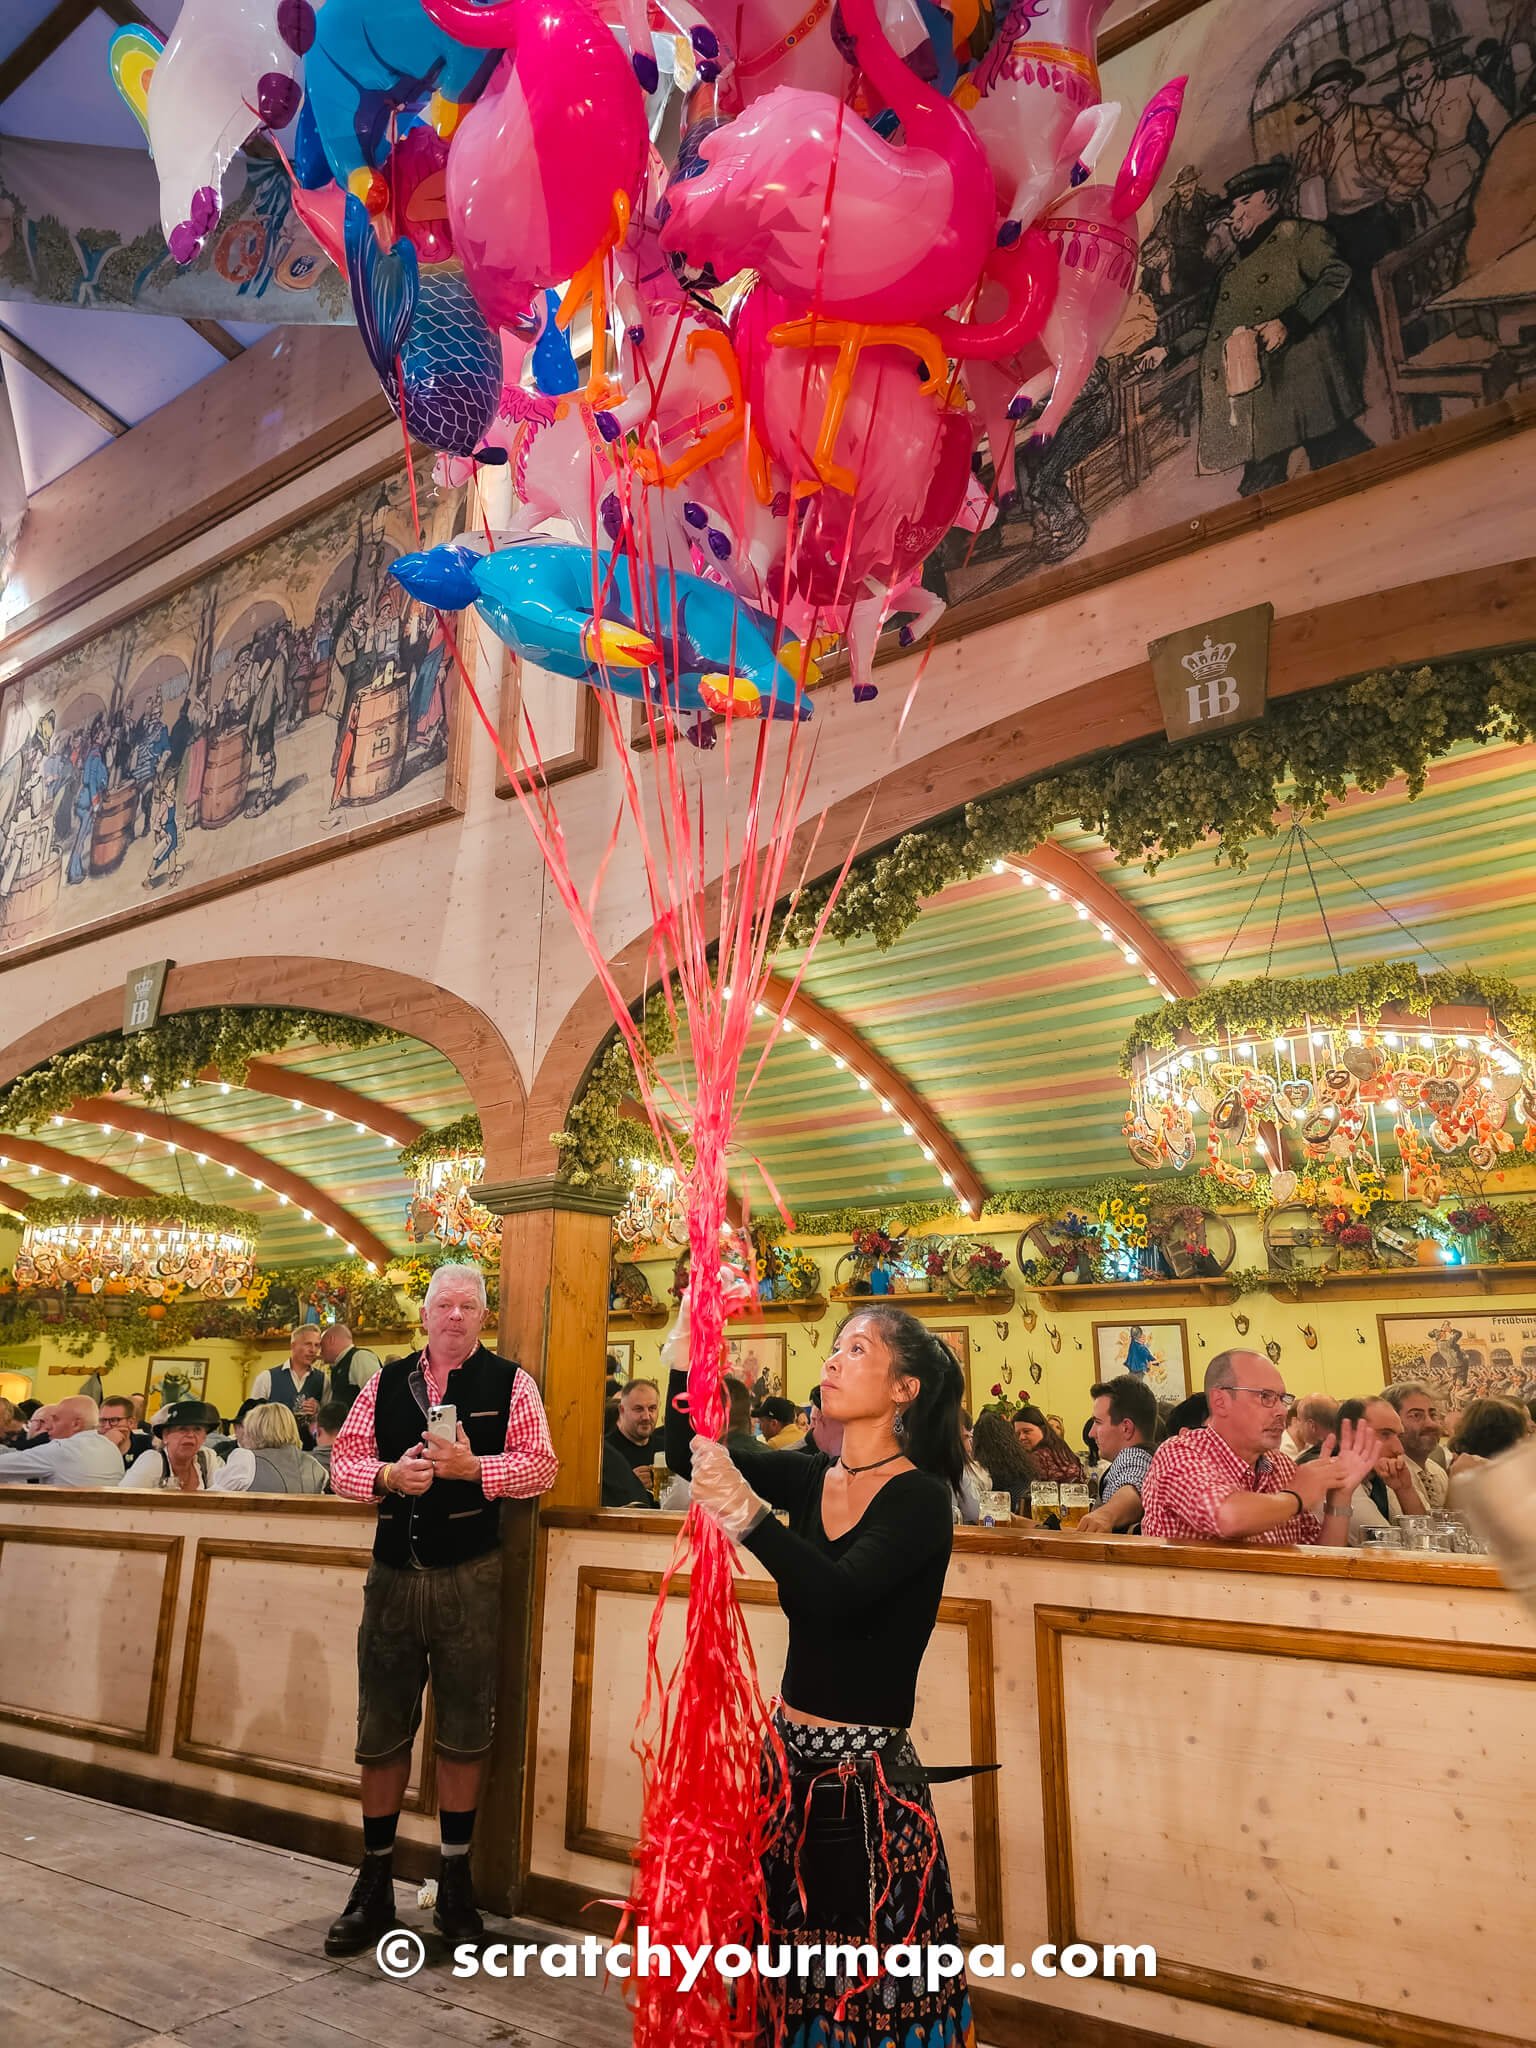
1002,1009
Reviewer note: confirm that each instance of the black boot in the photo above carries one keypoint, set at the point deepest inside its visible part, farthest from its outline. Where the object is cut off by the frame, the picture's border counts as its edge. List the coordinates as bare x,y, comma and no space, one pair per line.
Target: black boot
455,1918
369,1911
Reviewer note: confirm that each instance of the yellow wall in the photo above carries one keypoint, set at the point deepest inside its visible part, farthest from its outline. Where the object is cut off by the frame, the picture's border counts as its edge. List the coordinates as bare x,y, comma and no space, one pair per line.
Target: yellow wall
1347,1359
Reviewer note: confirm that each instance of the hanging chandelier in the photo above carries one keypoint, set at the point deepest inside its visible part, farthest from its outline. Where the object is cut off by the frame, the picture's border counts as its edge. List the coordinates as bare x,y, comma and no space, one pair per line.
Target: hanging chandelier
444,1205
148,1245
1422,1086
657,1209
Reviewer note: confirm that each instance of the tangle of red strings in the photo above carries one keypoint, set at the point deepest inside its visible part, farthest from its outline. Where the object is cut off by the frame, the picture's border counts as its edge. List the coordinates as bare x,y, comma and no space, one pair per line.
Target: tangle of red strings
713,1769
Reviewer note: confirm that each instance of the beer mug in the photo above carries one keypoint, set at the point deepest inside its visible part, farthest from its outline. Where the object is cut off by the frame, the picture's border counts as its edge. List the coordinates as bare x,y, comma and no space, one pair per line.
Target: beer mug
1044,1501
1075,1502
996,1509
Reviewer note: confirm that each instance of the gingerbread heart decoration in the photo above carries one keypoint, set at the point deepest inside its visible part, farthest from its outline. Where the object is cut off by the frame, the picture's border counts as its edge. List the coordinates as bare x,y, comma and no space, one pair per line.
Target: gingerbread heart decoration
1295,1099
1282,1186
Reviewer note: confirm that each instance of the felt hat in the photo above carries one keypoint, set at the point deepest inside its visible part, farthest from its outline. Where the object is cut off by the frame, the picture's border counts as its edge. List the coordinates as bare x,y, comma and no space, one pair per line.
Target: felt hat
1337,71
186,1415
1273,176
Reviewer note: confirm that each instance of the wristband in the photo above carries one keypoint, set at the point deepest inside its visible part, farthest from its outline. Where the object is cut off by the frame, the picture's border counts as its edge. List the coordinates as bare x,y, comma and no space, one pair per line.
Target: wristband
383,1478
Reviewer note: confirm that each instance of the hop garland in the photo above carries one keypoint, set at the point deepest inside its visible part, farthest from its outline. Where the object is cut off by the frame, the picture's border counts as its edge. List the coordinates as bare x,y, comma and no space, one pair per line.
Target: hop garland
445,1142
1268,1005
151,1064
1151,801
146,1209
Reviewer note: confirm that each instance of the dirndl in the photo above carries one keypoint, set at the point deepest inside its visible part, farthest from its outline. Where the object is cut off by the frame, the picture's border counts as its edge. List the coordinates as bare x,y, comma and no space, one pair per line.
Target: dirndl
857,1860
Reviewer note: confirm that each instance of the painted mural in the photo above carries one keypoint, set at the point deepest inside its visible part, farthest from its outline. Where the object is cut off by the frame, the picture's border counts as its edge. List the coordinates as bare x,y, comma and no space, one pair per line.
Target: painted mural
1341,253
287,698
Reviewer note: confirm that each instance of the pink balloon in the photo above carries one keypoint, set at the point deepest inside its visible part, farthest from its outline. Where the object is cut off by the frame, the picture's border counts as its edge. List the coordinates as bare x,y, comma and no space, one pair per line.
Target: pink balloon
833,217
417,175
539,160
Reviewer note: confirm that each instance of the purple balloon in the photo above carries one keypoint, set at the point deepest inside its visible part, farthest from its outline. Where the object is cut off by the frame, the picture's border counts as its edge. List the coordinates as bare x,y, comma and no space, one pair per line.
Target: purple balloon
296,25
277,98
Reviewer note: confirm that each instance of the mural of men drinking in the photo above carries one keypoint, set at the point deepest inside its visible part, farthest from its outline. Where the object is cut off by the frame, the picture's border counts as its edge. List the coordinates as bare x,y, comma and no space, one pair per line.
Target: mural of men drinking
291,694
1342,252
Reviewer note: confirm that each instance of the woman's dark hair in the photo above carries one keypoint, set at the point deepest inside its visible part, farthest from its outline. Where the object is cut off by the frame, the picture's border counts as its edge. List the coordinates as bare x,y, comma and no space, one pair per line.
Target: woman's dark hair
1031,1414
1193,1413
930,1425
997,1450
1490,1426
27,1409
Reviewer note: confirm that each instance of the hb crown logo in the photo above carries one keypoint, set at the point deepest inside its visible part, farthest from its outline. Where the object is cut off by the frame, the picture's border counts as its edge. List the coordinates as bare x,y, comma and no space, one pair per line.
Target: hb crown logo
1213,693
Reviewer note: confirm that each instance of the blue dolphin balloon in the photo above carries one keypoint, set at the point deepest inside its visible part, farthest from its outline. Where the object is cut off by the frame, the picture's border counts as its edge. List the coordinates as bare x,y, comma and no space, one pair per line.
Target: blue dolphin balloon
715,652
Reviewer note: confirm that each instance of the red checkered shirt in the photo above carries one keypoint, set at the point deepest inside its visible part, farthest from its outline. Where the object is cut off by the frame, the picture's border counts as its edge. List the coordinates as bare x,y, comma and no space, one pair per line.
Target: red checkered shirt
1194,1472
527,1466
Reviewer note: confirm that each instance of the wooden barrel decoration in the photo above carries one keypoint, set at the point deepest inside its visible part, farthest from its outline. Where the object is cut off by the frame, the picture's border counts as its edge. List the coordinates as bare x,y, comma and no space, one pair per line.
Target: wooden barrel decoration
378,749
315,683
114,828
224,777
28,905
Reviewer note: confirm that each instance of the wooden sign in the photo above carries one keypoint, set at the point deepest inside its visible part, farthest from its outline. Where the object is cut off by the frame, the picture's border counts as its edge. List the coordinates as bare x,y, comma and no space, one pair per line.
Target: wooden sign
1214,676
143,993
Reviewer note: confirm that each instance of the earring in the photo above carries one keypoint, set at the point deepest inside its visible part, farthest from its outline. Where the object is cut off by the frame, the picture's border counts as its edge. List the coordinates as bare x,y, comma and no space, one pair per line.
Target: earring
899,1425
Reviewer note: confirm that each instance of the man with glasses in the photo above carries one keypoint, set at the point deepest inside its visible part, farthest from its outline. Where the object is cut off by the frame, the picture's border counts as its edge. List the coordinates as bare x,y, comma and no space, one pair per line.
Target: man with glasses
1231,1483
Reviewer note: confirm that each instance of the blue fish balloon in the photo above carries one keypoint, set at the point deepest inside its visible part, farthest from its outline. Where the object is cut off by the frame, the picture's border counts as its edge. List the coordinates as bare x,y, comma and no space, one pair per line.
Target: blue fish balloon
428,323
716,653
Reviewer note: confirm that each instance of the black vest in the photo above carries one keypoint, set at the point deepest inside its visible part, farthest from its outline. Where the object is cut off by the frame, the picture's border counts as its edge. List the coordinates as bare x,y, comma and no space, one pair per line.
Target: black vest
341,1388
452,1521
294,1390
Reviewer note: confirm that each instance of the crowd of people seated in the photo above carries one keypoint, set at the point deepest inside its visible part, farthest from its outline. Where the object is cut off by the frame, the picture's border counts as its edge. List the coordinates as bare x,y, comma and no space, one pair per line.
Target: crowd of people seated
278,1441
1240,1461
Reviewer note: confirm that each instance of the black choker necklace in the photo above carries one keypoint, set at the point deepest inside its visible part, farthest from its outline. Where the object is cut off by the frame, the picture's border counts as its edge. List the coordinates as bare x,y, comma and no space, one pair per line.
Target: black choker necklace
853,1469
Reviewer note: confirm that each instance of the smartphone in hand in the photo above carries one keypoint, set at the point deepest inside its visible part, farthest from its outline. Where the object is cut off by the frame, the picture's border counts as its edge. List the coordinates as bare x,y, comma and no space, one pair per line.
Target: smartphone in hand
443,1422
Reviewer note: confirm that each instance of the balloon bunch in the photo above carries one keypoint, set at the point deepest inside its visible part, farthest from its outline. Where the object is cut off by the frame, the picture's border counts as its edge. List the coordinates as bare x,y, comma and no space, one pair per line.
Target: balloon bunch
875,242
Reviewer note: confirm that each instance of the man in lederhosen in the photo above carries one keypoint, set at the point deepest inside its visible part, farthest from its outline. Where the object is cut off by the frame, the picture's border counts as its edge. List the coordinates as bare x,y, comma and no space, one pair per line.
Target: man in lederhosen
432,1604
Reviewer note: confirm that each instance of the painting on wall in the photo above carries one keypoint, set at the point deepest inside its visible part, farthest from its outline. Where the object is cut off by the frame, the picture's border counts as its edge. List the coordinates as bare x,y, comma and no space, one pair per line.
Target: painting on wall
760,1358
1158,1351
1340,253
621,1352
174,1379
959,1341
1461,1355
290,700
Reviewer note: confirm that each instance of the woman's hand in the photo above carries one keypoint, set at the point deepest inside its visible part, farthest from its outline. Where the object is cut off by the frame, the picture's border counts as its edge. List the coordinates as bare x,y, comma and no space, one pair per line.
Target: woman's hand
721,1491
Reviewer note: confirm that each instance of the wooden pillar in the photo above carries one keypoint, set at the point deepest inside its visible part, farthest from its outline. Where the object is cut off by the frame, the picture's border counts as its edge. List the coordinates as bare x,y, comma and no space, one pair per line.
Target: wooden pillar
555,1255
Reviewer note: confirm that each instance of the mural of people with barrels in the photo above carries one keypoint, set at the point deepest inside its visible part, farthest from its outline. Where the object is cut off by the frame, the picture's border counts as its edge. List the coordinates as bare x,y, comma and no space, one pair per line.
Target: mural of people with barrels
289,695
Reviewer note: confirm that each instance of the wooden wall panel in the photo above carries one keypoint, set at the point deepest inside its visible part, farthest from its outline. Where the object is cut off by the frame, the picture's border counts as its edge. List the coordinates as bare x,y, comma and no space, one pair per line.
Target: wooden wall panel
104,1673
269,1674
1245,1796
953,1723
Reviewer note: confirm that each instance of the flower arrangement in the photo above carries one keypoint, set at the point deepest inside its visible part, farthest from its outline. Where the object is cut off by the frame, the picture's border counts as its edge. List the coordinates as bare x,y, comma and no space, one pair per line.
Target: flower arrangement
981,1269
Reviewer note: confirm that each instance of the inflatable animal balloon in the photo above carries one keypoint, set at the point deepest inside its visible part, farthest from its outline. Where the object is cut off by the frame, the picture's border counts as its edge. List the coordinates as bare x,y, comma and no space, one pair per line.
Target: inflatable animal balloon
1093,232
435,356
542,174
784,42
371,59
229,66
798,189
1034,100
715,653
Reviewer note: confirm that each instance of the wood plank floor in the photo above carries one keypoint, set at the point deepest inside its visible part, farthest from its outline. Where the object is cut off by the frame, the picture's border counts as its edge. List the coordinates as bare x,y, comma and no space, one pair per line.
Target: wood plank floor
120,1930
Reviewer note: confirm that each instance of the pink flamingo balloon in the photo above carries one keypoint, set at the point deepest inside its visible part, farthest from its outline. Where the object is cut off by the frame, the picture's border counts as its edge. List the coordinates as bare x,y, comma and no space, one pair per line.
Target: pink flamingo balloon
800,190
539,162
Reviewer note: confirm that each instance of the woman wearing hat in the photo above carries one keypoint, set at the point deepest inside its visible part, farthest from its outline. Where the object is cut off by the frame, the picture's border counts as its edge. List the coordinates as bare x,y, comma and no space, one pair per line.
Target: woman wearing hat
182,1461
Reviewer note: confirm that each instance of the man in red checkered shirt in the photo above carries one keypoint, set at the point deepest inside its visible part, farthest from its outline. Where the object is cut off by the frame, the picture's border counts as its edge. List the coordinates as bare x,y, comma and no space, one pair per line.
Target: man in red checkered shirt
1231,1483
432,1604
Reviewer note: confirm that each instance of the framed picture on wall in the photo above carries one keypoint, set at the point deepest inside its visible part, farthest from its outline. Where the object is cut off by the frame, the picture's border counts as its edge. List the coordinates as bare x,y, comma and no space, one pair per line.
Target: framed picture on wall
191,1372
1158,1350
761,1358
1461,1355
622,1351
959,1341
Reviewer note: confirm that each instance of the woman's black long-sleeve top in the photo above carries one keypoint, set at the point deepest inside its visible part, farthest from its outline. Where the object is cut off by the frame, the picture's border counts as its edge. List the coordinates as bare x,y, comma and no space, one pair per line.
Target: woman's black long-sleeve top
862,1606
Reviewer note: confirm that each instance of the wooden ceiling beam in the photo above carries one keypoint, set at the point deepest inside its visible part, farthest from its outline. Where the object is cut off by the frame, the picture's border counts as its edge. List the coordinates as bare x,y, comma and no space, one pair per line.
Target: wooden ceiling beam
217,337
949,1159
1055,868
226,1151
267,1078
13,1199
56,380
33,51
84,1173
